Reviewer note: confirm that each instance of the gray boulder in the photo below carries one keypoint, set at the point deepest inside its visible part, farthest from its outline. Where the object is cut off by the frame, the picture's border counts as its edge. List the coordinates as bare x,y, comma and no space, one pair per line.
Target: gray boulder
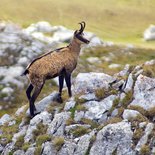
97,110
57,126
70,104
83,144
68,148
144,92
88,82
48,149
143,140
114,137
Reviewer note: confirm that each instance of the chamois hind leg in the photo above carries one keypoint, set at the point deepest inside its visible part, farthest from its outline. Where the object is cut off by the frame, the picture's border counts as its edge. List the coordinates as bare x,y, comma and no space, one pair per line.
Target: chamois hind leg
61,83
37,91
28,91
68,83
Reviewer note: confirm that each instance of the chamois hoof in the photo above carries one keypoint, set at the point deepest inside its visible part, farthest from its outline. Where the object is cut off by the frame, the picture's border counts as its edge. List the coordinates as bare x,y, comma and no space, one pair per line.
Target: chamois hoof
59,100
31,116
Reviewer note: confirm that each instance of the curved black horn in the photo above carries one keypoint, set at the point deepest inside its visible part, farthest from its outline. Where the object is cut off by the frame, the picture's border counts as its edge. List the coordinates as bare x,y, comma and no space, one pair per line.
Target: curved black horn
84,24
81,29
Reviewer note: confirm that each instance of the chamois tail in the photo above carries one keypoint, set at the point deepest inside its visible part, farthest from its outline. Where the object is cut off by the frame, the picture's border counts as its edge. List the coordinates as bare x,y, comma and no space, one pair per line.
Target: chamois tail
25,72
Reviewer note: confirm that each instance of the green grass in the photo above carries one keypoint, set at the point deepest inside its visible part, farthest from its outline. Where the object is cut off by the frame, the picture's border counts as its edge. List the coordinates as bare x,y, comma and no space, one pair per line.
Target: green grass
117,20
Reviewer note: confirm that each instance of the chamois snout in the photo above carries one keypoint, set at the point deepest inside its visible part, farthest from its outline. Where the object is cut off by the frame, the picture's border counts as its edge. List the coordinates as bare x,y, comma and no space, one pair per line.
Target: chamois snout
80,35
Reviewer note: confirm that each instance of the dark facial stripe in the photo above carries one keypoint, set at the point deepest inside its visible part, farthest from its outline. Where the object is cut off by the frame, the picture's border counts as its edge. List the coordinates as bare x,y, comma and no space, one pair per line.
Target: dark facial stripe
82,39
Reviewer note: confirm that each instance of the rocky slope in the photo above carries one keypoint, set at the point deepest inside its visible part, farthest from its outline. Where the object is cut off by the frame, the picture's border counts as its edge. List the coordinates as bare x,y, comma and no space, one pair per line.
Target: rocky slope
107,115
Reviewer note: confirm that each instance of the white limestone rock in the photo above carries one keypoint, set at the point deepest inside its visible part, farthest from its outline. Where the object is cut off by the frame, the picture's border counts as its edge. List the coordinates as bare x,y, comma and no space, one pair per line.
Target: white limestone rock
88,97
97,110
20,110
63,35
44,26
43,117
83,144
144,92
5,119
114,137
7,90
48,149
127,114
70,104
30,151
57,126
143,140
19,152
78,115
129,83
68,148
88,82
149,33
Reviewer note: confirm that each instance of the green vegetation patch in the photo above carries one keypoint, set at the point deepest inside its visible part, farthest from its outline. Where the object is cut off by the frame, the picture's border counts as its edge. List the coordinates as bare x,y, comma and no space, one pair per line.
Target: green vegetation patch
79,131
58,142
40,130
145,150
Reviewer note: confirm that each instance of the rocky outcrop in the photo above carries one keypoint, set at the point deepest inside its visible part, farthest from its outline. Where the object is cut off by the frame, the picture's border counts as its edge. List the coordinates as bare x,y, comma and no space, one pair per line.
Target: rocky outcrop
106,114
101,118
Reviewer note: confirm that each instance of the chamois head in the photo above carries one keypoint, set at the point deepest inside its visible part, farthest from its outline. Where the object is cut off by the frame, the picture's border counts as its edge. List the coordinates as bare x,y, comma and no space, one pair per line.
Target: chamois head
78,34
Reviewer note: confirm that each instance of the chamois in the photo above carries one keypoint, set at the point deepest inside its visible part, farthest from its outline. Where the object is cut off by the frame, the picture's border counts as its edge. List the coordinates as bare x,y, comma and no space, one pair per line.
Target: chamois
60,62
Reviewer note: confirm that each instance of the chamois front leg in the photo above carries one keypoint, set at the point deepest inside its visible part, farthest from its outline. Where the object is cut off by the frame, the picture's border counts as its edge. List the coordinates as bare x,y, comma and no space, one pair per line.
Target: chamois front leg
68,83
33,98
61,83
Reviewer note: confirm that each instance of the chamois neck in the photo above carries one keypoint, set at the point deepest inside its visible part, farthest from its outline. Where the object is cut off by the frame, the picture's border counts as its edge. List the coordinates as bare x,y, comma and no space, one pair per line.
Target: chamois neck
75,46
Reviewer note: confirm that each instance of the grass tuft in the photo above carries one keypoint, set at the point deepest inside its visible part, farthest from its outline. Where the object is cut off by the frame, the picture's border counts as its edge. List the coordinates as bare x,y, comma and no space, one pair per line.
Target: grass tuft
79,131
42,138
58,142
